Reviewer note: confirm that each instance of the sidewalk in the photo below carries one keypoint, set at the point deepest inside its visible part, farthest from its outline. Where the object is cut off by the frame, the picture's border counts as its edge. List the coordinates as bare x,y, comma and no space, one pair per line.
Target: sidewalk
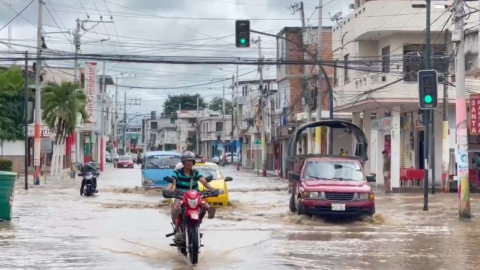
269,173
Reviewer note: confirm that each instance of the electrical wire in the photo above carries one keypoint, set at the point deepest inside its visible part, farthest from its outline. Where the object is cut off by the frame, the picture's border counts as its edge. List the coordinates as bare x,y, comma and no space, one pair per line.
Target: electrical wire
18,14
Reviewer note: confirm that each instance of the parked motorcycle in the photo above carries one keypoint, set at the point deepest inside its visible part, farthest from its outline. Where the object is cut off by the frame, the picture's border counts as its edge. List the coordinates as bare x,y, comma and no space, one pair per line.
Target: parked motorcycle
90,187
186,227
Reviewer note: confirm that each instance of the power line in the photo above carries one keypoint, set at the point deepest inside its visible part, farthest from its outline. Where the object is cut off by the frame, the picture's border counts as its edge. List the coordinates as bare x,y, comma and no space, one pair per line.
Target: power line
18,14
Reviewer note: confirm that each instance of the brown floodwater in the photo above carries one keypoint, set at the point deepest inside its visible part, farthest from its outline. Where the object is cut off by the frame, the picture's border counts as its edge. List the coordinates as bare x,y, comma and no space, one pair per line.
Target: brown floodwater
124,227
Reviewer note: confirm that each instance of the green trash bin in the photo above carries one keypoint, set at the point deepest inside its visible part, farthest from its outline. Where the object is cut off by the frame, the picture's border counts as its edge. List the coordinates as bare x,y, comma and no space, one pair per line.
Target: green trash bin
7,187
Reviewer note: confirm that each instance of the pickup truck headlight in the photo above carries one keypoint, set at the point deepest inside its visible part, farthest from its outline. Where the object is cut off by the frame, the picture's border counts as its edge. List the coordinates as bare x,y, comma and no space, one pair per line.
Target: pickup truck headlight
366,196
313,195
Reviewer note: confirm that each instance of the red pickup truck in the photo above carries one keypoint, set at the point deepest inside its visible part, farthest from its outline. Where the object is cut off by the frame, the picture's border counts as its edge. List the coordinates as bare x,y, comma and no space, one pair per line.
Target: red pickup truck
328,184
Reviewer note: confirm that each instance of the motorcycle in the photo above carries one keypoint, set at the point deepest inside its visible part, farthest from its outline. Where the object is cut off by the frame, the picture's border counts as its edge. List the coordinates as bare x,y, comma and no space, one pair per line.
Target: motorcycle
186,227
90,187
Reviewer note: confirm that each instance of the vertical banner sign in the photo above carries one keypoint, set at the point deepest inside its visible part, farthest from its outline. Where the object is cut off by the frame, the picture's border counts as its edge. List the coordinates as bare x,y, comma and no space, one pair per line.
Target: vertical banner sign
90,90
474,114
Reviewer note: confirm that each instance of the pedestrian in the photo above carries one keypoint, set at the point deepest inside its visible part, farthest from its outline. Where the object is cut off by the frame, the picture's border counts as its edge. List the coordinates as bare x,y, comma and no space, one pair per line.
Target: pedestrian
342,152
386,170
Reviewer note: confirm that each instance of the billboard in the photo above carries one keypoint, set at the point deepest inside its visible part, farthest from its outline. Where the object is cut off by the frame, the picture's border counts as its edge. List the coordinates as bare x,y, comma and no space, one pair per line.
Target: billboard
91,90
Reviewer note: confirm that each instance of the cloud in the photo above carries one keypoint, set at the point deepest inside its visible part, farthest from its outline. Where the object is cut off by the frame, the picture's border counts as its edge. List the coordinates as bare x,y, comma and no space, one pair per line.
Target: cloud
158,27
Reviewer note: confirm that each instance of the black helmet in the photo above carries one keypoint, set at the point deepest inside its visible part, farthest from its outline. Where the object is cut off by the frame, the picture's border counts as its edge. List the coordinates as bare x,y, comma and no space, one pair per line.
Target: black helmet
187,155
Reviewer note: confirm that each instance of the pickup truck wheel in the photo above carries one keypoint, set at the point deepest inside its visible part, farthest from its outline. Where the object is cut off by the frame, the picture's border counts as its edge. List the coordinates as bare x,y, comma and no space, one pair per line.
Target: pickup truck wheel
300,210
291,205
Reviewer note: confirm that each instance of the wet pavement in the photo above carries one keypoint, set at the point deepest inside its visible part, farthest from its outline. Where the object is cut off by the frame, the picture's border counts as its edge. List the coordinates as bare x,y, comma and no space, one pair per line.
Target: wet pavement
124,228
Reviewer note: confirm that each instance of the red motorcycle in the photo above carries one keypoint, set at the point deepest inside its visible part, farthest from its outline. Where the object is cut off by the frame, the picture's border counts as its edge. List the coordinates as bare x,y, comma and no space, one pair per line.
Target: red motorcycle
186,227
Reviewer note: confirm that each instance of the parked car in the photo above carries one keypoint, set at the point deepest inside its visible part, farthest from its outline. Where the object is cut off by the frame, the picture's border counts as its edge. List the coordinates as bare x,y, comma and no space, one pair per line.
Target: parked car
216,159
125,162
228,158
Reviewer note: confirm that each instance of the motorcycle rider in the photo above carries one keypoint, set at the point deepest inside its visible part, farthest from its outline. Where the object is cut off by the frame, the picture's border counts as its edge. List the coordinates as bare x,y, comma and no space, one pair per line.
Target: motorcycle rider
182,177
87,167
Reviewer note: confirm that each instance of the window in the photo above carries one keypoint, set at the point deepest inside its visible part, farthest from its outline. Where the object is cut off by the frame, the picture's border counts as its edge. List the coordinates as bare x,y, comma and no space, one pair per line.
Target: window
335,73
209,170
218,126
334,170
162,162
153,125
345,70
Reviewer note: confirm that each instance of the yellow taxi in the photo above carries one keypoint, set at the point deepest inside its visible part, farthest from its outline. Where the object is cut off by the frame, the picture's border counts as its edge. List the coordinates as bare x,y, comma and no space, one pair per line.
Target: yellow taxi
219,181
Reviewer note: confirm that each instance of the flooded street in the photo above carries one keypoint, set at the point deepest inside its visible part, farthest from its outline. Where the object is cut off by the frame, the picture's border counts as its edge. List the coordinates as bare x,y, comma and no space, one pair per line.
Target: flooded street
124,228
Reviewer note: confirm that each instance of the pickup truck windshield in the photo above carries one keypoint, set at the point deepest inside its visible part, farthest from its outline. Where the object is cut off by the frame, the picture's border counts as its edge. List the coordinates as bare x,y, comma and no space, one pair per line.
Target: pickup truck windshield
334,170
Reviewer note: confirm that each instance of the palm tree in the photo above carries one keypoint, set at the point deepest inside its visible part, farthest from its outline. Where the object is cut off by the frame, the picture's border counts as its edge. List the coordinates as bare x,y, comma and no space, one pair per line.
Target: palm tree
62,106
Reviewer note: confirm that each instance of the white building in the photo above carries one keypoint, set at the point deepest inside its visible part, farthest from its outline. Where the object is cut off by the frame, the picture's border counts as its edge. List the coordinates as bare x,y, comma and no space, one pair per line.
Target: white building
216,135
378,50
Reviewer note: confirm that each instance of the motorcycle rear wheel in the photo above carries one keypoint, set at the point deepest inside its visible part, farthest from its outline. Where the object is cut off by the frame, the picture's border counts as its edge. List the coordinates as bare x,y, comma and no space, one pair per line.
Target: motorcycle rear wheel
193,244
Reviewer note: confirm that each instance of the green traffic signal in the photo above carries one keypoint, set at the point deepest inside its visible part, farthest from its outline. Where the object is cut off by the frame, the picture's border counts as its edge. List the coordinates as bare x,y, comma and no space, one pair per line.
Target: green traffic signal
243,41
428,99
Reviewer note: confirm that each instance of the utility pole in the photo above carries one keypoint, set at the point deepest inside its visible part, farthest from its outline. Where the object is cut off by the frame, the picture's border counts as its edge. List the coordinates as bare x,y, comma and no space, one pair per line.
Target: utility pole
318,130
262,109
102,123
461,119
445,137
198,127
76,40
38,94
239,122
124,122
432,112
25,119
223,126
115,146
233,119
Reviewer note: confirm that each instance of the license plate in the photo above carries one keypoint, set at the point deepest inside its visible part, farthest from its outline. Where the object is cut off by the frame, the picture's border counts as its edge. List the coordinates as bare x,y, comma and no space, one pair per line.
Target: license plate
338,207
125,165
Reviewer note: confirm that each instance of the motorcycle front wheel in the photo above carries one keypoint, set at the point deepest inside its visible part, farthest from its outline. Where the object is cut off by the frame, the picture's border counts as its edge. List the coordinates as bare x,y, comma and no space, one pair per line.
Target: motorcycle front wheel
193,244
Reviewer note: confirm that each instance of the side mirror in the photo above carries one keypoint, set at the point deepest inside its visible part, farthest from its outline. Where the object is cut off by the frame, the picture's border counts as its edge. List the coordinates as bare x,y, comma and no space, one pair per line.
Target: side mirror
295,177
168,179
371,178
80,174
209,178
228,179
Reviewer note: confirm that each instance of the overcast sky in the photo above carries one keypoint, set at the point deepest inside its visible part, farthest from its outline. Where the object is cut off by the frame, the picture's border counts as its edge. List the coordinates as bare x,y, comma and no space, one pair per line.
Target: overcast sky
161,27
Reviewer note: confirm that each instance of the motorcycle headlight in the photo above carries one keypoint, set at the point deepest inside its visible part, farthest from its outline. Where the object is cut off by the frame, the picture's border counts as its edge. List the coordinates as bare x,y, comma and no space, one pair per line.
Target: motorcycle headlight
313,195
192,203
88,176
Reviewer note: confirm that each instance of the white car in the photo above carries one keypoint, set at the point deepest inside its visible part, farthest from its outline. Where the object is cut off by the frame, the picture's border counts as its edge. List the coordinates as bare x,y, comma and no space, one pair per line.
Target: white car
228,158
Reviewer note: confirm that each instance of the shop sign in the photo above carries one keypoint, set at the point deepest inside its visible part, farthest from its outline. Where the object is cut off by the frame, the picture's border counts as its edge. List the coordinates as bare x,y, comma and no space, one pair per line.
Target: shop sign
474,114
91,85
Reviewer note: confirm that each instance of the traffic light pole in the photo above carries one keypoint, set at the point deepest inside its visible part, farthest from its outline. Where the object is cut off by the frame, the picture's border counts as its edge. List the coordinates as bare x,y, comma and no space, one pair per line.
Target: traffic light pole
426,115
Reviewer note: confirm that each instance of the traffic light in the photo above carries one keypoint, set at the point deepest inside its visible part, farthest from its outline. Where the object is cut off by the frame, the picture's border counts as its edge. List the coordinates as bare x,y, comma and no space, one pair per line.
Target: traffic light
173,117
427,89
242,33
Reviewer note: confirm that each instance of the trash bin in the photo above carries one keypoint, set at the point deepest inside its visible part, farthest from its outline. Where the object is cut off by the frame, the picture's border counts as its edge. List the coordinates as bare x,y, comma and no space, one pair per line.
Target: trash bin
7,186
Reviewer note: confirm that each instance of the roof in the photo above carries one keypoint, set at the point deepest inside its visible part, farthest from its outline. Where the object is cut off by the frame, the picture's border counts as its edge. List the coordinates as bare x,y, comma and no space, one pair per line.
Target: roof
285,29
160,153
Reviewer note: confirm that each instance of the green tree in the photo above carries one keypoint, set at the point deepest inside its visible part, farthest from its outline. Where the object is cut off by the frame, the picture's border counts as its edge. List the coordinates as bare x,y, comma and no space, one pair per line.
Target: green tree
62,106
11,104
217,103
187,101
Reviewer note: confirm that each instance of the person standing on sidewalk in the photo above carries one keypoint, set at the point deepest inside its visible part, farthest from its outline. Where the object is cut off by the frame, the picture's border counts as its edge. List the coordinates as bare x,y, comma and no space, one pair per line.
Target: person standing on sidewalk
386,170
